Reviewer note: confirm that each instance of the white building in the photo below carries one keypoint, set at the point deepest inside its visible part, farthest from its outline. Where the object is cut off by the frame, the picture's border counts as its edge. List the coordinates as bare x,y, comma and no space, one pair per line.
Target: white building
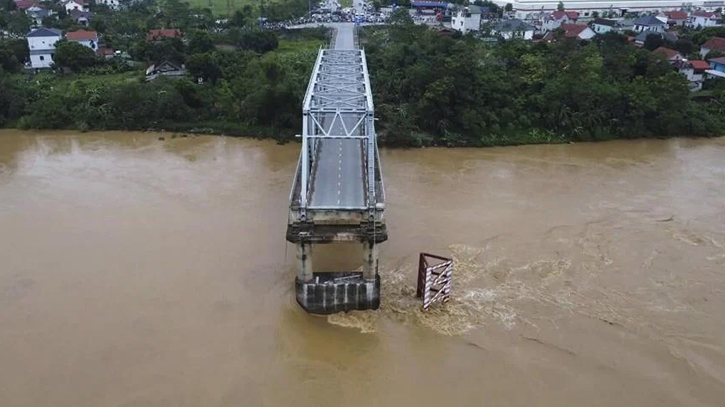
556,19
41,43
524,9
509,29
71,5
702,19
83,37
467,19
649,23
603,25
114,4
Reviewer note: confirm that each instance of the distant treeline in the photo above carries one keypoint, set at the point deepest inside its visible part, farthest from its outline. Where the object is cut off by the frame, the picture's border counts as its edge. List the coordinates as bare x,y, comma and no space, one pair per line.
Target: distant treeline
434,89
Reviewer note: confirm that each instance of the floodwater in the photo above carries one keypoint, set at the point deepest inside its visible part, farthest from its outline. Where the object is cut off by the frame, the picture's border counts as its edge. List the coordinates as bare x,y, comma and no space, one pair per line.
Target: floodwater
139,272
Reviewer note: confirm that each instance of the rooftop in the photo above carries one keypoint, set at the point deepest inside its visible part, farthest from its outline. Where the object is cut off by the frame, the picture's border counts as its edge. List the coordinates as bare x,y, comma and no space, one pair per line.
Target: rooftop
573,30
699,65
604,21
163,33
715,43
558,15
670,53
720,60
82,35
649,21
45,32
513,26
676,15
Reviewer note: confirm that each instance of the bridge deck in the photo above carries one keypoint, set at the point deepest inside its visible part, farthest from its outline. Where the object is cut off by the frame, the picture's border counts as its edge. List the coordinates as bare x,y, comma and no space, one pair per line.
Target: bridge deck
339,173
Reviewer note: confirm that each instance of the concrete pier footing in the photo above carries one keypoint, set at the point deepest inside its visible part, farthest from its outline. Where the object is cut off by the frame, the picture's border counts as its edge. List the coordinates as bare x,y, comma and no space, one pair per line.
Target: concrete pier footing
329,293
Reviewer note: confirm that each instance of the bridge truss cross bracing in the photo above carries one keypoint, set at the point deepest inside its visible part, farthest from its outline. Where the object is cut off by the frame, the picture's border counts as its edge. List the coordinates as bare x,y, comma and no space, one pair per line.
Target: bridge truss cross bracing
338,105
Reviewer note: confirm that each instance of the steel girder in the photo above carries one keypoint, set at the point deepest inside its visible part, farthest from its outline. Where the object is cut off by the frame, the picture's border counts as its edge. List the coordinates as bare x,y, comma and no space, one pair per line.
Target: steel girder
338,104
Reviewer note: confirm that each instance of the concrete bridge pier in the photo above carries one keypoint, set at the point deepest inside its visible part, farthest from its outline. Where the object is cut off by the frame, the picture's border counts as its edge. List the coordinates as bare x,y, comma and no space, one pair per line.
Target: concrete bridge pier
304,261
370,260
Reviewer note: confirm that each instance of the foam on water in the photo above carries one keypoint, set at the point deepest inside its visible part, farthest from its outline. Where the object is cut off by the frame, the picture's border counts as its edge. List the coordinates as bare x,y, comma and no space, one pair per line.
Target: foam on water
469,307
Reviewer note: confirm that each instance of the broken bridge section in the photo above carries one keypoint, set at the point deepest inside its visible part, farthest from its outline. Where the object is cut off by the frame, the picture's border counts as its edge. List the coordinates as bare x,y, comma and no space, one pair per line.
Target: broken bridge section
338,194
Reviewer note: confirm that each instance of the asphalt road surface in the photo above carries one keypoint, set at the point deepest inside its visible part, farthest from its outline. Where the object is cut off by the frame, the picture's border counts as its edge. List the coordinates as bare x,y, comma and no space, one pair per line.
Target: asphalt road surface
338,178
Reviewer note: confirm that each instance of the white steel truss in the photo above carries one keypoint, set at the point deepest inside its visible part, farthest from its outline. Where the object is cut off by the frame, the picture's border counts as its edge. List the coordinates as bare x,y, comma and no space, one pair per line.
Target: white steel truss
338,104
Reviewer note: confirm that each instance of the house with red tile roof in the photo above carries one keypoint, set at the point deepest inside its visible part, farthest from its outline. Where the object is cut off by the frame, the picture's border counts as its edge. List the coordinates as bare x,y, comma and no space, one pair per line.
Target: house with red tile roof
83,37
713,44
695,71
578,31
557,18
25,4
702,19
676,17
155,35
670,54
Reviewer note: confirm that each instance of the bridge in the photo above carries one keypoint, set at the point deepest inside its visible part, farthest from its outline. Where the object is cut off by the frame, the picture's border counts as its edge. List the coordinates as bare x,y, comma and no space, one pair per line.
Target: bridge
338,194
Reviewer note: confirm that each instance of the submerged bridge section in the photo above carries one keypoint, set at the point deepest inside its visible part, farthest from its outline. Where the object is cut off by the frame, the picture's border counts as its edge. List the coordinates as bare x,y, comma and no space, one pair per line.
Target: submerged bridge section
337,194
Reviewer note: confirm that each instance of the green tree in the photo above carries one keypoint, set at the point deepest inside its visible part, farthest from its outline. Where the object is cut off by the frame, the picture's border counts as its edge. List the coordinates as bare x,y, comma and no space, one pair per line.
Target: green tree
74,55
653,41
685,46
8,61
260,41
401,17
509,7
199,42
18,23
560,6
238,19
204,66
377,5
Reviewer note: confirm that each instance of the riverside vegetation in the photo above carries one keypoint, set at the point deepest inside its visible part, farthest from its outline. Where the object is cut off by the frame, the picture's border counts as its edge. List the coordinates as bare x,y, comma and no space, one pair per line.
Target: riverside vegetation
429,88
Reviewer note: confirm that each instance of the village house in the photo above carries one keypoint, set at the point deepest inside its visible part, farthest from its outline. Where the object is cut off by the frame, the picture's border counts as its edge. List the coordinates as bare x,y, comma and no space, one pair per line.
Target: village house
603,25
718,64
25,4
165,68
579,31
81,17
676,18
515,28
649,23
155,35
666,36
37,13
670,54
41,43
702,19
713,44
557,18
85,38
71,5
694,71
114,4
467,19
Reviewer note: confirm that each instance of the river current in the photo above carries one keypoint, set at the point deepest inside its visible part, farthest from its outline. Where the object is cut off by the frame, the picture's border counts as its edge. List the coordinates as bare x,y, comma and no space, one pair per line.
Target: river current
141,272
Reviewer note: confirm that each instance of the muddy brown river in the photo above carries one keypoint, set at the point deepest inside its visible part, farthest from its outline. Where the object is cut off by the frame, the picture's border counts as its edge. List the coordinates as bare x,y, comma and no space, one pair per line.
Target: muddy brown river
139,272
